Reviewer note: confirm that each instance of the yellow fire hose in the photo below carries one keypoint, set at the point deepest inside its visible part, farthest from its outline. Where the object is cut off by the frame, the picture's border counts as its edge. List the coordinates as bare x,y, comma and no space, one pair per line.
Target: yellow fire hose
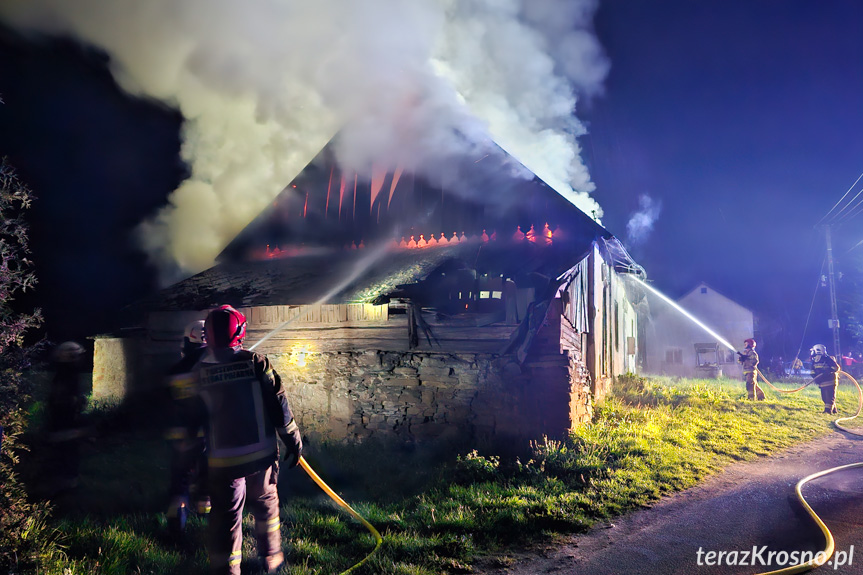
822,557
334,496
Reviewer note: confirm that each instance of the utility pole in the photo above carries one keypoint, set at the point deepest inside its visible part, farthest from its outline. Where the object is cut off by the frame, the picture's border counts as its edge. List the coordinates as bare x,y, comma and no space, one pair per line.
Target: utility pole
834,321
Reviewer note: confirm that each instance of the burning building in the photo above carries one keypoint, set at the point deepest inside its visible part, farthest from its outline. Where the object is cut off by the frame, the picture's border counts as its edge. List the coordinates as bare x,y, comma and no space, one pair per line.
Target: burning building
473,301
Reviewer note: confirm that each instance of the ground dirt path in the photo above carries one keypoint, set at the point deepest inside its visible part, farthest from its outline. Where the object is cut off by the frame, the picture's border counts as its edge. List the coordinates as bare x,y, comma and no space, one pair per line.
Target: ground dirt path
748,504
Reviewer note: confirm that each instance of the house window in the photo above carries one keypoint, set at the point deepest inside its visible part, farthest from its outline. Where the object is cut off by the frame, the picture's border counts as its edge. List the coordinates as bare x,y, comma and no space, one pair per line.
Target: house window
674,355
704,290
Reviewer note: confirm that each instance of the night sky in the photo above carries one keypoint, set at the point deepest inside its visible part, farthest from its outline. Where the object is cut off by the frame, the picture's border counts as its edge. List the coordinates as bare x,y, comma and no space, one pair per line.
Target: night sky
742,118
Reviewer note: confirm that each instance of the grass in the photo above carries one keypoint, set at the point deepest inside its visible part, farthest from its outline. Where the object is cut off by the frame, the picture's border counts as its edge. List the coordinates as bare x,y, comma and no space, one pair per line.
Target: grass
438,512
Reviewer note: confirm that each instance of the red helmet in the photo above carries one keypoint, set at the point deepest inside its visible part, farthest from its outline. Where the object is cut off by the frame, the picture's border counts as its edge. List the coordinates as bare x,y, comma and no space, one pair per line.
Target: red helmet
225,327
749,342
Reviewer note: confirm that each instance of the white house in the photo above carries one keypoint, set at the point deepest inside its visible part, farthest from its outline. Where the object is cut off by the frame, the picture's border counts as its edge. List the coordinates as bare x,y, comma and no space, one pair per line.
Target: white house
676,345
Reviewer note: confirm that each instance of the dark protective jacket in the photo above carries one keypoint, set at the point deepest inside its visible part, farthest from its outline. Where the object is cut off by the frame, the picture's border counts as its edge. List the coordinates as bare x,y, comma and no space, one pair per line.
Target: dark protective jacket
245,408
824,370
749,359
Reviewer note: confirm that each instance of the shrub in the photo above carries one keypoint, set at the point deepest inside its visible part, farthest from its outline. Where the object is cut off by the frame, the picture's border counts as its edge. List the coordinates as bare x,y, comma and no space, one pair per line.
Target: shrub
25,541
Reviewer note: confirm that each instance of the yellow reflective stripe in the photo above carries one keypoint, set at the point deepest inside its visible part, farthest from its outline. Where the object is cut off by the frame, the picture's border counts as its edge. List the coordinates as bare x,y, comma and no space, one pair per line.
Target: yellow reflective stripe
175,433
183,386
239,459
182,379
235,558
273,525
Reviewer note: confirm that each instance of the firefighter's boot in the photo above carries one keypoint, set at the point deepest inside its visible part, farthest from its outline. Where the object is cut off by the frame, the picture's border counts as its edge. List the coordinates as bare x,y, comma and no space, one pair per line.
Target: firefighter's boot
273,563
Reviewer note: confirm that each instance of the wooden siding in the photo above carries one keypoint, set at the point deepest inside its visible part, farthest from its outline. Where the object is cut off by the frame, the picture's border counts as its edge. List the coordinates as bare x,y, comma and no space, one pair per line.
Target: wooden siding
274,315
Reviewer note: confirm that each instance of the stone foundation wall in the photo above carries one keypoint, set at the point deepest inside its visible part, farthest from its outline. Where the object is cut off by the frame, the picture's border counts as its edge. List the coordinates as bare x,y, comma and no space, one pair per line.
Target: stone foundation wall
581,400
356,394
114,367
425,396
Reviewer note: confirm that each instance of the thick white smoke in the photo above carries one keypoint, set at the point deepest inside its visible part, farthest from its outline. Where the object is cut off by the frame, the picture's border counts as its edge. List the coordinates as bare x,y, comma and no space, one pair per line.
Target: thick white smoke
264,85
640,224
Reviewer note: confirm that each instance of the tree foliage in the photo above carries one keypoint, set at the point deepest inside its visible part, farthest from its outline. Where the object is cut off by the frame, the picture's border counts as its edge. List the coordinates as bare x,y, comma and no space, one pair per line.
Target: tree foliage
22,523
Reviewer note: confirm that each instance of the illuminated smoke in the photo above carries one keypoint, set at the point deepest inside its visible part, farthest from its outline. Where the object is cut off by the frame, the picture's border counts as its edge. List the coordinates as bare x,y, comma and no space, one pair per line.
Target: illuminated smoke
264,85
640,224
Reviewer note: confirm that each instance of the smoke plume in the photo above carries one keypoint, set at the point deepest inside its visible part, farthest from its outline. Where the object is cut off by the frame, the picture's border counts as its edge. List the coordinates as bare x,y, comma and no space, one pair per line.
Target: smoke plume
640,224
264,85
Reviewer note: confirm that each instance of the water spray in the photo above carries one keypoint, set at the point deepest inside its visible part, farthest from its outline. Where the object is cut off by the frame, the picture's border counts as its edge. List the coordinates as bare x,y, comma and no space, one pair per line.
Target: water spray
679,308
719,338
360,266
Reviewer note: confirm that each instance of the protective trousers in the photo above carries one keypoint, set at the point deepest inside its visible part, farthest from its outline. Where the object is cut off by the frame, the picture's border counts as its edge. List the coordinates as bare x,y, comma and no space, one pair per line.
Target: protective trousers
226,519
752,388
828,396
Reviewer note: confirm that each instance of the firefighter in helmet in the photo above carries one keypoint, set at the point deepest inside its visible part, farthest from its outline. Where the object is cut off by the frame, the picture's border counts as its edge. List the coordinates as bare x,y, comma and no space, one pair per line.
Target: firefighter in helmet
185,435
246,408
748,358
825,373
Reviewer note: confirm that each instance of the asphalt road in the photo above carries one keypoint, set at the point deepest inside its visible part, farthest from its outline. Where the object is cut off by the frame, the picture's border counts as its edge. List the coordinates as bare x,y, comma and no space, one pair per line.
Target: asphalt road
747,506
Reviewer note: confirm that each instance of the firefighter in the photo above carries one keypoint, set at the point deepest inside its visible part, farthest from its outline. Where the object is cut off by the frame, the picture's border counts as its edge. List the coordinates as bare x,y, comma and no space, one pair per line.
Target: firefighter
825,373
246,408
66,402
185,435
748,358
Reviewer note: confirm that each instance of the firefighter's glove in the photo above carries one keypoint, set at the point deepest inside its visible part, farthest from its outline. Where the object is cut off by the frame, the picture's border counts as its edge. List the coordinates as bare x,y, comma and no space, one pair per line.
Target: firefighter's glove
293,441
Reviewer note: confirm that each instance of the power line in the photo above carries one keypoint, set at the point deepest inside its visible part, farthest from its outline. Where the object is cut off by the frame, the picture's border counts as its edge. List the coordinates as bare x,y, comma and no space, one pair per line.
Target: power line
855,212
839,217
841,200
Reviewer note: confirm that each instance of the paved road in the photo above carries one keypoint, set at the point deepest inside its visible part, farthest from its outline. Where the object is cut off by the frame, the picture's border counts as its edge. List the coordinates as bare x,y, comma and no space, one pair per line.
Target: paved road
748,504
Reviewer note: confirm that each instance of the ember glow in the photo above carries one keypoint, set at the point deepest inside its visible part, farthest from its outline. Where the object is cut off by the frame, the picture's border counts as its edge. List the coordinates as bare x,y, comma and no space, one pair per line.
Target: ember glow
414,242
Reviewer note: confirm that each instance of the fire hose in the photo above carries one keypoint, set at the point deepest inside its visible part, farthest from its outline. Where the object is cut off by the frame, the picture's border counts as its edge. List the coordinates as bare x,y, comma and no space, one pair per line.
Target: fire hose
341,502
823,556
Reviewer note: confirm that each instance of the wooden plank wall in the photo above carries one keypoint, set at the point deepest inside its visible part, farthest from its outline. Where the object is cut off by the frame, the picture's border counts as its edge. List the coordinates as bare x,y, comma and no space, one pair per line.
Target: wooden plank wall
364,326
264,317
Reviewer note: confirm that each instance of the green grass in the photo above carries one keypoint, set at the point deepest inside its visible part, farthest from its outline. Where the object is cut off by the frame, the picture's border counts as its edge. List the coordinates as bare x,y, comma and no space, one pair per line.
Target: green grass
438,512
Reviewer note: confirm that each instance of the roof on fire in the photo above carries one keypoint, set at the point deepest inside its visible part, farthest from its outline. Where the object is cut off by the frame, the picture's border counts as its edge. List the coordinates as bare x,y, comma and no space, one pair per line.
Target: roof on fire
483,190
314,218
